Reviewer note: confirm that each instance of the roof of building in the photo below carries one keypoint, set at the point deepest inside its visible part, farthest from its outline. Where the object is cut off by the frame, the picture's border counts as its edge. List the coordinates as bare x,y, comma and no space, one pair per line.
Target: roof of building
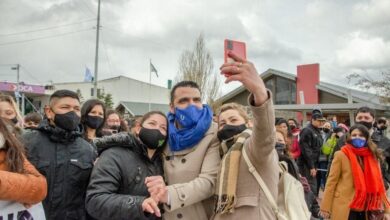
120,77
268,73
357,96
139,108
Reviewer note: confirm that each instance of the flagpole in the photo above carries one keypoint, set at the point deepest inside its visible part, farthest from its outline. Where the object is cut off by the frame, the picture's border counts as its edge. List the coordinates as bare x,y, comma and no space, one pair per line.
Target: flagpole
150,84
95,79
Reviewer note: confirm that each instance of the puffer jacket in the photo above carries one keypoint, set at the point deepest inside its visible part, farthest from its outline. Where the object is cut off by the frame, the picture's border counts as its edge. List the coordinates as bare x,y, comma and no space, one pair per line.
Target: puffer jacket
117,185
66,160
27,188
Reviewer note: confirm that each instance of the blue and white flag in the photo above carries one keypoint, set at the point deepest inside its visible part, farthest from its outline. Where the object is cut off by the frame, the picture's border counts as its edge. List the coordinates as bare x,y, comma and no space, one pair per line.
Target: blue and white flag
88,75
153,69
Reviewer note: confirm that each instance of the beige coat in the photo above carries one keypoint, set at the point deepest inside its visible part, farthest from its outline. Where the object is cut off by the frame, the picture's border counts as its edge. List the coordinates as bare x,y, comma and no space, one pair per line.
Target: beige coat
339,189
251,201
191,175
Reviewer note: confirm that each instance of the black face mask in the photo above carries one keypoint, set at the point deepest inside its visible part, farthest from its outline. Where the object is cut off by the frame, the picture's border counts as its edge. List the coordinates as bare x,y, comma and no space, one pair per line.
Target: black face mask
229,131
152,138
326,130
14,120
68,121
114,127
279,146
292,127
93,121
383,128
367,124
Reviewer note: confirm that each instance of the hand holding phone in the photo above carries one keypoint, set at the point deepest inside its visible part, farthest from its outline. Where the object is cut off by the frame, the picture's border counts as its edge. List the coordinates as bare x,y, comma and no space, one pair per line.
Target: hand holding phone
235,47
238,68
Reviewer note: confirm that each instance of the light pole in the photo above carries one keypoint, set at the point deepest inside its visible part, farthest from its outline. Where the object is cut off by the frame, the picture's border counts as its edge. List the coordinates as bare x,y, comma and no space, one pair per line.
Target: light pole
17,94
95,79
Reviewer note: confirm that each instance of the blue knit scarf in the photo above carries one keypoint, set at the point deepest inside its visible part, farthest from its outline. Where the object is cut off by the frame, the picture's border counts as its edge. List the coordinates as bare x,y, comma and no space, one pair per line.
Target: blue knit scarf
194,124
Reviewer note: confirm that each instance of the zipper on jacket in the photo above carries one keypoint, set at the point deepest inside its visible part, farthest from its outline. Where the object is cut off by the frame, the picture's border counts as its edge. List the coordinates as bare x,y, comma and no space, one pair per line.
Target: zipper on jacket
52,174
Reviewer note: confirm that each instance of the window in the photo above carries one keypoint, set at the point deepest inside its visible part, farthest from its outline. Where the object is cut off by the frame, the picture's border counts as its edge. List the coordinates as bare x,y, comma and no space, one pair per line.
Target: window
293,93
99,92
270,84
285,91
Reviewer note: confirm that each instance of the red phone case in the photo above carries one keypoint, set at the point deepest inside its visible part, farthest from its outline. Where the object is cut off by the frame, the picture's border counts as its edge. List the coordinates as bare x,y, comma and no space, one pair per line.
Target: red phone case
236,47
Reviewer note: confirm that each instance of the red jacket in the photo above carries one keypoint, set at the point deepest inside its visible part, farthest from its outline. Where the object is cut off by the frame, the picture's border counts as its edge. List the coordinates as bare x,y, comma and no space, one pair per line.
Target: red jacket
295,150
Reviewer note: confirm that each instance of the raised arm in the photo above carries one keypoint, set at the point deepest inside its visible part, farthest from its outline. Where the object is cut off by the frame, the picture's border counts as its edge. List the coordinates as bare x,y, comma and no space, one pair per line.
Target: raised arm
262,141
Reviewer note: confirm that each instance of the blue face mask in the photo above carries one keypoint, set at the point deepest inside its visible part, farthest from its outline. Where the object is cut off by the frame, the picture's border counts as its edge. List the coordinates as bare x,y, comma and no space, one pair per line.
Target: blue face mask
188,117
194,125
358,143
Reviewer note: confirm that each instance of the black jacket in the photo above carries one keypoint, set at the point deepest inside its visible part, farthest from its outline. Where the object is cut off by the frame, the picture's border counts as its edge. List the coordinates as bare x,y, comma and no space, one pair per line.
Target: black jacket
117,185
66,160
382,143
310,141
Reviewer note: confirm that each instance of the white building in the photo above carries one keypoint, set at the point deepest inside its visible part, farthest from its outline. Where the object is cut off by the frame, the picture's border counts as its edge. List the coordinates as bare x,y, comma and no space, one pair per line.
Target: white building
121,88
130,96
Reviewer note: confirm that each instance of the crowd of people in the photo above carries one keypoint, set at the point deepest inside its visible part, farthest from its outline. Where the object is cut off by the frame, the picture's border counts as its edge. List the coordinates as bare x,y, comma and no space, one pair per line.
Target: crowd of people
83,161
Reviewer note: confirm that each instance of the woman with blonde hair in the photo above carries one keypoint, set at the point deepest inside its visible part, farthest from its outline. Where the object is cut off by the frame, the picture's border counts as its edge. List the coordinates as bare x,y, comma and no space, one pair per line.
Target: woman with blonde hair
9,109
238,194
355,189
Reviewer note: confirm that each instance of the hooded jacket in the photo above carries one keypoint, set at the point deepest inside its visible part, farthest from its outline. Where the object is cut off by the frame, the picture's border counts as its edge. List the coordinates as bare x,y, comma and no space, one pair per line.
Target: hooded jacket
66,160
117,185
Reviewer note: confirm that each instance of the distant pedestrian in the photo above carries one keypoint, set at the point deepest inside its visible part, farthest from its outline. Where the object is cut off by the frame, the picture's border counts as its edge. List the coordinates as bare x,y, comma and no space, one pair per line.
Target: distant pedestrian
32,120
114,123
311,142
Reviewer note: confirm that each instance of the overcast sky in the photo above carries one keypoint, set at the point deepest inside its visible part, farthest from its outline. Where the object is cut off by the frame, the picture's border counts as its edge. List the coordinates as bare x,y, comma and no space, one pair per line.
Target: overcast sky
55,39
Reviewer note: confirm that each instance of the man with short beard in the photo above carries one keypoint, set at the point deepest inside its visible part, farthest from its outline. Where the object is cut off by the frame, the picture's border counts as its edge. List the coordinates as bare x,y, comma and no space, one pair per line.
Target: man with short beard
191,159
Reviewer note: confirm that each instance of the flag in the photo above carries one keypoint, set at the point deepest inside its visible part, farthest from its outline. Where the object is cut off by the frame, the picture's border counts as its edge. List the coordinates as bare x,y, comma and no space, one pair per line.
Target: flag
153,69
88,75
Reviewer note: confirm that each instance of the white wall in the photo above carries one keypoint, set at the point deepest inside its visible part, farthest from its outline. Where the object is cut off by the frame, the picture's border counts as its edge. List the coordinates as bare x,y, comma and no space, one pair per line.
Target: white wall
122,89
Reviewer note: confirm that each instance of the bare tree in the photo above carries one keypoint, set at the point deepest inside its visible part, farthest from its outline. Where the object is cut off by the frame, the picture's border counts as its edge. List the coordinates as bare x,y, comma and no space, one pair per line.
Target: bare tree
381,86
197,65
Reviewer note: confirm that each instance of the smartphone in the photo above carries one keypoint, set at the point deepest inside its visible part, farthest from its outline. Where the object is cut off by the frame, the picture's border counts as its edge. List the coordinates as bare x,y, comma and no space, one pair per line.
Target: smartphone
236,47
